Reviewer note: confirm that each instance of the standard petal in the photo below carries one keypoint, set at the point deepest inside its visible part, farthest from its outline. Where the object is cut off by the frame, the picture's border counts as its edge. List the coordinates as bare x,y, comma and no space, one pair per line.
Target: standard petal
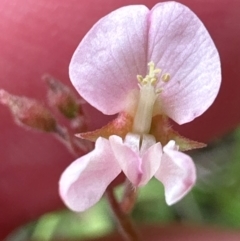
104,66
180,45
177,173
128,158
83,183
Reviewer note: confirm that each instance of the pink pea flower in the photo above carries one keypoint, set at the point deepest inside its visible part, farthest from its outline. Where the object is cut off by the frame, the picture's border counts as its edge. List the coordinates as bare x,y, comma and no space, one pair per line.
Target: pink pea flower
146,65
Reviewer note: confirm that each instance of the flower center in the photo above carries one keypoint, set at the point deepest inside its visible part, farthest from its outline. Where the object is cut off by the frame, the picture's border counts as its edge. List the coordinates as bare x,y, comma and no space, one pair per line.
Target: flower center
147,97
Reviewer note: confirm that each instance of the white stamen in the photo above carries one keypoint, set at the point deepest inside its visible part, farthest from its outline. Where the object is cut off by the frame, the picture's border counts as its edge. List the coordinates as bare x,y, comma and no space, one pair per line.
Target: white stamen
147,97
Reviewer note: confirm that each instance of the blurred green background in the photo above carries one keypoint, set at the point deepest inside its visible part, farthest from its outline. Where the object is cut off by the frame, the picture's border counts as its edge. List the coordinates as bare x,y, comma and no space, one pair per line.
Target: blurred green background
215,200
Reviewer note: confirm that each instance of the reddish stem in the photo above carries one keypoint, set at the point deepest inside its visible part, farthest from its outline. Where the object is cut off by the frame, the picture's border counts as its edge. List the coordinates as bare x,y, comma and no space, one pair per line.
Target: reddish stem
126,225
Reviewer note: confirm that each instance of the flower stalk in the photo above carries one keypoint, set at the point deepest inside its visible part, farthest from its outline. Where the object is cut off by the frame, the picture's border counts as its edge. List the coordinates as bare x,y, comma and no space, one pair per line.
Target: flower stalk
129,197
126,226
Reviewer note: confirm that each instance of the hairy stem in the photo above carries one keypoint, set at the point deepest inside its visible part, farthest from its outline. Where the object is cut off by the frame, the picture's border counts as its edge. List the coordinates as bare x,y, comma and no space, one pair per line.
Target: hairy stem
126,225
129,197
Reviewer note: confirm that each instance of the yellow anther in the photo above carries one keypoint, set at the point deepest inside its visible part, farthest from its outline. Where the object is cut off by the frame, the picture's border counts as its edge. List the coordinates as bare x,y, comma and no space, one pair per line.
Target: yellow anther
151,77
166,77
140,78
154,81
145,81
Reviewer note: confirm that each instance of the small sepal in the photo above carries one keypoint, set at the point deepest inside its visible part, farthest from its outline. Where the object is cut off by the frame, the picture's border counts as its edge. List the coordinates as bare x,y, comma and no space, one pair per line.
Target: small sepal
119,126
163,133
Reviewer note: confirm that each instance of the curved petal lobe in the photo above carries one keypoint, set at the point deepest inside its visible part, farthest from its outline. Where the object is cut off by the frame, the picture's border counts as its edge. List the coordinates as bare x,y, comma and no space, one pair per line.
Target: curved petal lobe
180,45
83,183
138,165
105,64
128,159
150,162
177,173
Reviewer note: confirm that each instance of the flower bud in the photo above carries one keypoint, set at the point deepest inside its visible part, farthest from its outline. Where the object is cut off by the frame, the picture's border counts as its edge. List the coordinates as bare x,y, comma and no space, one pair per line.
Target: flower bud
28,112
62,97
